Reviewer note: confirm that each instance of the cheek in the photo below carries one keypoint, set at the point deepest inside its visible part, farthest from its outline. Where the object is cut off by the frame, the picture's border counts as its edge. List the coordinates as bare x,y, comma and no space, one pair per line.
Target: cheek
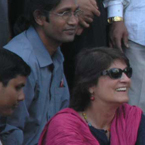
6,106
105,90
58,26
11,97
7,98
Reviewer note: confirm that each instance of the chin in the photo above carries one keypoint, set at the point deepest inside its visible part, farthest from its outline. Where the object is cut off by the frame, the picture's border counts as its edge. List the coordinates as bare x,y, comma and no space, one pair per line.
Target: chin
7,113
68,39
124,101
123,98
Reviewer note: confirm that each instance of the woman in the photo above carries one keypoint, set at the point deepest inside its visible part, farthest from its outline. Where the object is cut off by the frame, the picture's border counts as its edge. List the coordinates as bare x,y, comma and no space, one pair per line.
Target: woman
98,113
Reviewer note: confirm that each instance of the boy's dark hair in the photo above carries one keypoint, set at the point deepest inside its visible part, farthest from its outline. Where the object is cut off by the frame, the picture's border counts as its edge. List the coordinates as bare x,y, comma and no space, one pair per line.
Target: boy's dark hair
90,64
11,66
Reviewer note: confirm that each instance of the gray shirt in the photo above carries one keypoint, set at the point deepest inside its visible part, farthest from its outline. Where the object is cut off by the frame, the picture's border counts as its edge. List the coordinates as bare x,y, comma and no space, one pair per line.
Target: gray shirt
4,30
46,90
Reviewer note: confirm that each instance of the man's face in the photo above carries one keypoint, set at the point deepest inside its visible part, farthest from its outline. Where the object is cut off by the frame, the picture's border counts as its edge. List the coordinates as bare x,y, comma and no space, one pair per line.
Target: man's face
11,95
59,28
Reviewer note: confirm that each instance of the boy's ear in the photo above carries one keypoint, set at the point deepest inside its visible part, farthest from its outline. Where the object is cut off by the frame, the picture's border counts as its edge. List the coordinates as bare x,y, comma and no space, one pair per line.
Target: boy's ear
39,17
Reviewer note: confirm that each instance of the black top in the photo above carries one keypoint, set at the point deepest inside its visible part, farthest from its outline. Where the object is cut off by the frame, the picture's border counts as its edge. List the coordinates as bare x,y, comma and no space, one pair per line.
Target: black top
100,135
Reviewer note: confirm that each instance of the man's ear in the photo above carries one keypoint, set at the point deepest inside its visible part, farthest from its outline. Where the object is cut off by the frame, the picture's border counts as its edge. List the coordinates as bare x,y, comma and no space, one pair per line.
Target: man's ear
39,17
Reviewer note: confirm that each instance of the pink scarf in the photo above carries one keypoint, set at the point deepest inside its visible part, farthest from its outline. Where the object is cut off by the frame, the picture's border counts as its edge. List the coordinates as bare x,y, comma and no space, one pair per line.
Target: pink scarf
67,128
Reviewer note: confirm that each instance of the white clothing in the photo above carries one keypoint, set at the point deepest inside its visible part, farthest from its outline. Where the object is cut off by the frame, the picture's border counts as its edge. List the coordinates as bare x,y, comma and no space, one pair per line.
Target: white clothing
0,143
136,54
4,29
133,12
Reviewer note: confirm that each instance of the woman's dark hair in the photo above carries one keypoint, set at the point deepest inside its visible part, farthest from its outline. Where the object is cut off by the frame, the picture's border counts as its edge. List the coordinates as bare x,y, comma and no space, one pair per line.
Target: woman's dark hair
26,19
11,66
89,65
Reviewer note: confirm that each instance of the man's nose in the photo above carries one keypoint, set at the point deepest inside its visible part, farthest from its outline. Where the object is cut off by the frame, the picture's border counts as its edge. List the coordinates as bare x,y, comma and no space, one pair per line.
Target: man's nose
73,20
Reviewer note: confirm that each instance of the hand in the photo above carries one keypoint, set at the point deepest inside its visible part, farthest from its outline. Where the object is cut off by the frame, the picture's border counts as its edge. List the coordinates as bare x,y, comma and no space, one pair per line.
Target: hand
89,8
118,35
79,30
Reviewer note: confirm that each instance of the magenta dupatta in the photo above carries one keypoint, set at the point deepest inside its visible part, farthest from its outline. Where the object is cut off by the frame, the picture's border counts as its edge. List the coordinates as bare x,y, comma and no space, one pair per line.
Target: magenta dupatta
67,128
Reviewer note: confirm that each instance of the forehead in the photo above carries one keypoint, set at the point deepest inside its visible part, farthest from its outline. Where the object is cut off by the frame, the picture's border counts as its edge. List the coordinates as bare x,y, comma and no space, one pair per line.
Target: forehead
67,4
17,81
118,64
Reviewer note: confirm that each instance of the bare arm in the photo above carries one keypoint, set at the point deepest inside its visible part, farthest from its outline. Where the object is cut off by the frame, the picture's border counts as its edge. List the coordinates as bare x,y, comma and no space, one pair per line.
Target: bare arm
118,35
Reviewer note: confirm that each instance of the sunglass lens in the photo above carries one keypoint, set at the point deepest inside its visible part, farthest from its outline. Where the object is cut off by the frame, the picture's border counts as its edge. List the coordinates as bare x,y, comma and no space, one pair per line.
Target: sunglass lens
128,72
115,73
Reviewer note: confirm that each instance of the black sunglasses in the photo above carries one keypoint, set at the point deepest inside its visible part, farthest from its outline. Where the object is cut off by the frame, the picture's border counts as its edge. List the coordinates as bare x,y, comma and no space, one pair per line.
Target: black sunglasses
116,73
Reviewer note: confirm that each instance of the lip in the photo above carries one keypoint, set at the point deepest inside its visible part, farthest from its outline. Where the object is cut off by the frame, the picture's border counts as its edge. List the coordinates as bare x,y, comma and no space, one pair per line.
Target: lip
122,90
70,31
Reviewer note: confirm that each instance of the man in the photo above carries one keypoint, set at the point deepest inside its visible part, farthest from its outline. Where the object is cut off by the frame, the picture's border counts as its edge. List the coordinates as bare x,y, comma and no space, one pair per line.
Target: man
52,22
127,32
92,33
13,74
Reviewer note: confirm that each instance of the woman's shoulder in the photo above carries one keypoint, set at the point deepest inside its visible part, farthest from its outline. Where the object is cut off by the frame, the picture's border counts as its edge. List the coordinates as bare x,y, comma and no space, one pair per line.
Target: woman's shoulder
67,115
65,127
127,109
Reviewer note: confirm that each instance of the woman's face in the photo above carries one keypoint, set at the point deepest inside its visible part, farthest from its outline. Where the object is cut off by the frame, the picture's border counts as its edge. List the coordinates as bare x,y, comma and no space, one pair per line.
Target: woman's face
112,90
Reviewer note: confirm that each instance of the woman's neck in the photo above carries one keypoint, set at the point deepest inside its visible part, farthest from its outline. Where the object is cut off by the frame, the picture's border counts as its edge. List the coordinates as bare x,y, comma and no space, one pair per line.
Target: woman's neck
100,116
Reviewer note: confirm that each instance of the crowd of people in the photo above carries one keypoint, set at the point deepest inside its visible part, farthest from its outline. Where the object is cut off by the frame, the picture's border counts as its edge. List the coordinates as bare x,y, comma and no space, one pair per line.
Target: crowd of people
72,72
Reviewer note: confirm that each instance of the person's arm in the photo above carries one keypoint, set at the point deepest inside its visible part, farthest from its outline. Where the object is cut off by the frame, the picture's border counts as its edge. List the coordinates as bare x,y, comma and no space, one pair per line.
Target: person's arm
118,34
89,8
141,132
